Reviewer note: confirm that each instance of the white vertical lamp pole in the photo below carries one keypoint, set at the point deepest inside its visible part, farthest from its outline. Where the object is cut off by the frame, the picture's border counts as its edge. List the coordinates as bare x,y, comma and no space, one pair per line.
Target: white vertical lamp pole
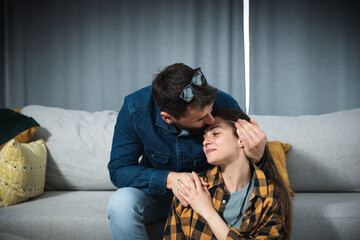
247,54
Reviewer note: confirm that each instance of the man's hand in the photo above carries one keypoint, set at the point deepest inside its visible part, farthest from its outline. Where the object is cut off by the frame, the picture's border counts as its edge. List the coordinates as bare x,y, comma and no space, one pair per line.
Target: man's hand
173,182
253,138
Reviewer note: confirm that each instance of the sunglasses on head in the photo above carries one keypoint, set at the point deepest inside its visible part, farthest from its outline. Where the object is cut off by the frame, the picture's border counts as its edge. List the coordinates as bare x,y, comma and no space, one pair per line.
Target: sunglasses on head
188,94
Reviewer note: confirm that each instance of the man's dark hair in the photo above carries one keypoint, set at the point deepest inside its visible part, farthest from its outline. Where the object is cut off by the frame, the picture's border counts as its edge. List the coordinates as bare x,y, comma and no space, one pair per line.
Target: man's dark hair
168,84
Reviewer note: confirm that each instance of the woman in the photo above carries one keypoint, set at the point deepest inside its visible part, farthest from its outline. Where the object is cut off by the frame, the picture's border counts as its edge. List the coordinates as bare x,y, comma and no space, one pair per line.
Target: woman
241,200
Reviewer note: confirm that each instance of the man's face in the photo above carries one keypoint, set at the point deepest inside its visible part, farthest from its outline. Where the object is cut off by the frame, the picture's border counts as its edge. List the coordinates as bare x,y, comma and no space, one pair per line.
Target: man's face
195,119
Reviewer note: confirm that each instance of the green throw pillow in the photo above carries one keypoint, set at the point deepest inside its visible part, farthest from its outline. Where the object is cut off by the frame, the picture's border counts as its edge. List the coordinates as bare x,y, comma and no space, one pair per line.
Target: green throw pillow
14,125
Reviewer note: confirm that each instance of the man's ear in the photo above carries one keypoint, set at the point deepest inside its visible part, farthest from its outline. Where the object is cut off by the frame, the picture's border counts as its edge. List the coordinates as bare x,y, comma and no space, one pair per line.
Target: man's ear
167,117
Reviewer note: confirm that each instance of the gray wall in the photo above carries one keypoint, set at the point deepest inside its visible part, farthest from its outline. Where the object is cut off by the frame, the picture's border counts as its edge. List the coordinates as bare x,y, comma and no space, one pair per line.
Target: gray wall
305,56
90,54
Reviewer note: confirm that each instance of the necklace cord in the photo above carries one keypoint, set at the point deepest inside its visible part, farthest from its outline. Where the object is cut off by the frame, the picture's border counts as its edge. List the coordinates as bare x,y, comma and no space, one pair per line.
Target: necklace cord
242,205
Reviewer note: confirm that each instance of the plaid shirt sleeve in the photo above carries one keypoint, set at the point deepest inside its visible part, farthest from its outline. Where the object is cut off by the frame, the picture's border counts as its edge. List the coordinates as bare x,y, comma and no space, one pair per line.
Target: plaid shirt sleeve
267,217
173,229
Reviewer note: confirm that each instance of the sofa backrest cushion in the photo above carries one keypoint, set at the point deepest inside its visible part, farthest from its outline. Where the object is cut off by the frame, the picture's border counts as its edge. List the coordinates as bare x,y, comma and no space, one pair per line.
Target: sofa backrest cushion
324,154
79,145
325,149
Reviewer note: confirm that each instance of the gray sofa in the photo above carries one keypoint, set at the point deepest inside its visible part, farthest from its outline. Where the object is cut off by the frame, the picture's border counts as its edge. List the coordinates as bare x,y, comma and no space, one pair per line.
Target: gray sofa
323,165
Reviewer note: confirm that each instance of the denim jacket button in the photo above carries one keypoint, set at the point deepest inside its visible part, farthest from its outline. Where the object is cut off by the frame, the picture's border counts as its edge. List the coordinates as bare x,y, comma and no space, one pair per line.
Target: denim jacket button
223,201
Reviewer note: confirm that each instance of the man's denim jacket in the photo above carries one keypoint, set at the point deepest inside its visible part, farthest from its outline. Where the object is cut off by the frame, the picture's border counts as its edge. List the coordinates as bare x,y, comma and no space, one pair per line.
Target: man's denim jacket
141,132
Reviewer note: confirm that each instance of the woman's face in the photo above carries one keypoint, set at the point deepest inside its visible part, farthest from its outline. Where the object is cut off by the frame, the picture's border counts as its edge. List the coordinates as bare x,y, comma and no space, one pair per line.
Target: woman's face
220,144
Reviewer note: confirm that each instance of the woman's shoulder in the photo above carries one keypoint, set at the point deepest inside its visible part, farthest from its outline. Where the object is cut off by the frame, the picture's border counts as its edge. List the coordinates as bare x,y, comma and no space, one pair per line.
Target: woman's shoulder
208,173
211,174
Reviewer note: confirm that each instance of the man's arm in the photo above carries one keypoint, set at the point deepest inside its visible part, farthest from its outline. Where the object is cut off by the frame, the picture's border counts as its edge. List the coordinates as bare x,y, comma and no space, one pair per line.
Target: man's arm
126,149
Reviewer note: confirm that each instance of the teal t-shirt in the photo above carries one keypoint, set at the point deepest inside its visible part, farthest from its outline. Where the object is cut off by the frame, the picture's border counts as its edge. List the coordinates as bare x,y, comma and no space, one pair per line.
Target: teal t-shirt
234,204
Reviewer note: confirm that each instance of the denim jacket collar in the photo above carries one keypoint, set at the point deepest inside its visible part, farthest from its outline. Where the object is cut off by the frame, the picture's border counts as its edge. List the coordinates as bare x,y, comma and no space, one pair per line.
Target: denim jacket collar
161,123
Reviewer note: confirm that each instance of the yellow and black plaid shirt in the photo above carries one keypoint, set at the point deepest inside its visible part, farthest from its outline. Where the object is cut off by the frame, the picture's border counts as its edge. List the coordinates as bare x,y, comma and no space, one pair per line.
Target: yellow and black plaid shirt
261,220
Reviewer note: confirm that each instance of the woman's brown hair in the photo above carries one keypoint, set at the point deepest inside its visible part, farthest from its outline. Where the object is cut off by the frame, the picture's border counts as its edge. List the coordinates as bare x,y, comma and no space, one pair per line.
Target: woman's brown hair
230,116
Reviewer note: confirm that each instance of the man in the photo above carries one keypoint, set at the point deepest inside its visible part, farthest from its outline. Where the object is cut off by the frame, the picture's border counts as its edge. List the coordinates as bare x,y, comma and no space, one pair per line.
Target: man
162,124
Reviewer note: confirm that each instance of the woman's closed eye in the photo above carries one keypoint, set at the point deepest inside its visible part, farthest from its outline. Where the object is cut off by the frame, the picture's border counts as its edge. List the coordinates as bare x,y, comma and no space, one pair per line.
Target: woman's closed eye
212,130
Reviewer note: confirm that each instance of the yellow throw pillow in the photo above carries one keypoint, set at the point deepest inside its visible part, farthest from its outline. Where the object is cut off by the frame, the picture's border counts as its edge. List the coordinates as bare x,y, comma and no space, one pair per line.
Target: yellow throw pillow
22,171
279,151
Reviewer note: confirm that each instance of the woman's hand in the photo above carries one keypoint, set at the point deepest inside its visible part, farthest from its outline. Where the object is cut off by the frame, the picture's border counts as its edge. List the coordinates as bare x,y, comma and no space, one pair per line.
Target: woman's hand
196,195
199,198
173,182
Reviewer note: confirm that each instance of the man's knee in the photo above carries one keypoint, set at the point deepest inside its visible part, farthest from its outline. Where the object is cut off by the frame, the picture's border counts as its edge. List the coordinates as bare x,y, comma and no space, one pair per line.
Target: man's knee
126,201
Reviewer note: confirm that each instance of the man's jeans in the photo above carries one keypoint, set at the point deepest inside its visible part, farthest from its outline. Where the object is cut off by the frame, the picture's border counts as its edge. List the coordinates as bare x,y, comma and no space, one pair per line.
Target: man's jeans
130,209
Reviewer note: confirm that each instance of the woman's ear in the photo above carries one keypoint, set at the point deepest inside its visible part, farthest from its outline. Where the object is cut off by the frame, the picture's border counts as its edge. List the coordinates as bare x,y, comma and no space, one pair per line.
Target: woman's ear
240,143
167,117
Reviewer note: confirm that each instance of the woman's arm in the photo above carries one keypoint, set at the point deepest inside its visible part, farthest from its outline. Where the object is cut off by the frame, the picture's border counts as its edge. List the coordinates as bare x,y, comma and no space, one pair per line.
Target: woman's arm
173,228
217,225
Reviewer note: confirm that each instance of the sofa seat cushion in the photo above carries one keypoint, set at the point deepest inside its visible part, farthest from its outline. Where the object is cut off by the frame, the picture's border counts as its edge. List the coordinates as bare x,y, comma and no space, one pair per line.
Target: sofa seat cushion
80,214
326,216
59,215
